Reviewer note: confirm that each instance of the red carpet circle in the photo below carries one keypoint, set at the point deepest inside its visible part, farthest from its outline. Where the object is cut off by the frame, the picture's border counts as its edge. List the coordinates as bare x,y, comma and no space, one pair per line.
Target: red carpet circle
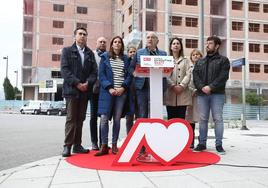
189,160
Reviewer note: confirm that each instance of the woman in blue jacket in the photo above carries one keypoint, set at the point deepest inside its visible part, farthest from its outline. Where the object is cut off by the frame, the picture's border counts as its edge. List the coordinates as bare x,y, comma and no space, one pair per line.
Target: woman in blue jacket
114,81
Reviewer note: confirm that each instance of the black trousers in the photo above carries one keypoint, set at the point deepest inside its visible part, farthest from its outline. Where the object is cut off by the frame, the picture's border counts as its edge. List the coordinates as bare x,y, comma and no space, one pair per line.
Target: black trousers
176,112
76,114
94,100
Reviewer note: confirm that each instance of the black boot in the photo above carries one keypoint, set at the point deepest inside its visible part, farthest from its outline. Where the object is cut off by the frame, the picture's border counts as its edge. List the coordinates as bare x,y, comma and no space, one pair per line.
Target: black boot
193,127
80,149
66,151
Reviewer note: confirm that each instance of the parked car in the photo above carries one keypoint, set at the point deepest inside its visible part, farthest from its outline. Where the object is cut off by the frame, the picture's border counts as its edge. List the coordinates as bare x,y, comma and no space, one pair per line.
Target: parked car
53,108
32,107
47,107
61,106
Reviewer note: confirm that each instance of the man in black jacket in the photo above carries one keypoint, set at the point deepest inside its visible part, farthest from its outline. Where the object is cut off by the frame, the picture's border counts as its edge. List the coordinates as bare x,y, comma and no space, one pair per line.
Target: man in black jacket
210,75
79,71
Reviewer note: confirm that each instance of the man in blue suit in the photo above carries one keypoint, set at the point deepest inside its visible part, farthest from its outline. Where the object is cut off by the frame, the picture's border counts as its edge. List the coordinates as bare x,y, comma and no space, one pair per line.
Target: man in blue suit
141,83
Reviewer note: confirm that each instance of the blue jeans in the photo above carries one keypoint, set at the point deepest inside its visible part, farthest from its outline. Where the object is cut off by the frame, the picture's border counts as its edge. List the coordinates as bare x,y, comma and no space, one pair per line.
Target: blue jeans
117,110
213,102
143,102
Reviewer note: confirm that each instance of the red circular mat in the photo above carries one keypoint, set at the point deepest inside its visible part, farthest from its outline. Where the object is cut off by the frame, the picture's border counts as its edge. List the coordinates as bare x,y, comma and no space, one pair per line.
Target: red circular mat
189,160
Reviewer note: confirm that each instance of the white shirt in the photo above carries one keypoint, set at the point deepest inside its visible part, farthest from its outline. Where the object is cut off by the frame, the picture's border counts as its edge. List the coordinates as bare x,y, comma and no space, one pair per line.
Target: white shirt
81,52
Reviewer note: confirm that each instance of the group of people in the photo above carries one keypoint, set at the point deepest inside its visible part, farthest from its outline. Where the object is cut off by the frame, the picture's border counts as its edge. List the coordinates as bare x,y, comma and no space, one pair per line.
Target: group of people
108,79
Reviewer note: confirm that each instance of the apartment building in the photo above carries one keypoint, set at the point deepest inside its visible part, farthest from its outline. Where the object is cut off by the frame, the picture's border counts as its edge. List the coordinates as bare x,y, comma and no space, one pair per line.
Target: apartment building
242,26
48,26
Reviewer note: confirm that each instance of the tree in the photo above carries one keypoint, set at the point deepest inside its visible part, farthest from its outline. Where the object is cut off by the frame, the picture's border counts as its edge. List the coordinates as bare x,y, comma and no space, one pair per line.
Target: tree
17,93
253,99
9,90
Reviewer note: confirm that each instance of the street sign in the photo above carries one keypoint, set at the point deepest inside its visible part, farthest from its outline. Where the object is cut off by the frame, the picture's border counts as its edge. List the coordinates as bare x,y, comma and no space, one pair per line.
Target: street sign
48,86
238,62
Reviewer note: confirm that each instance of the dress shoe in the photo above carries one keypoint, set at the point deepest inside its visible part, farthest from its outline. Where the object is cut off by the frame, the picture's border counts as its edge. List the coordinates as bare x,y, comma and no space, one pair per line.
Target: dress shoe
104,150
95,146
114,148
80,149
66,151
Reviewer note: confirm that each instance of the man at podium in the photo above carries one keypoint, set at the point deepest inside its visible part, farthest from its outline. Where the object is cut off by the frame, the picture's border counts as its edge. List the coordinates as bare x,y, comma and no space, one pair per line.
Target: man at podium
142,85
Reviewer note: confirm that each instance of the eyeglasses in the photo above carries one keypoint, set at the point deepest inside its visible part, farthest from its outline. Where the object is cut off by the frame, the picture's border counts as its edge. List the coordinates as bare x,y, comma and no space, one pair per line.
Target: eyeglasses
84,34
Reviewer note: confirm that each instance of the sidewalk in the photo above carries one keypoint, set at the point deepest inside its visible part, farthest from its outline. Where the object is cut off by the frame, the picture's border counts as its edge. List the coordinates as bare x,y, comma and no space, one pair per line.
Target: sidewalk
241,166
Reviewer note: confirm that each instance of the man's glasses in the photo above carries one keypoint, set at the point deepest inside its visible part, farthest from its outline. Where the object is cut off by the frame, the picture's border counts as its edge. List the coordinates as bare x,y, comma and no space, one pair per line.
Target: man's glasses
84,34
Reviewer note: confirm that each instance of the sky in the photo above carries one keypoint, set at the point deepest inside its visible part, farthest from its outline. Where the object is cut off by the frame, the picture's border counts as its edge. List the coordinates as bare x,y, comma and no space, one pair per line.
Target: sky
11,41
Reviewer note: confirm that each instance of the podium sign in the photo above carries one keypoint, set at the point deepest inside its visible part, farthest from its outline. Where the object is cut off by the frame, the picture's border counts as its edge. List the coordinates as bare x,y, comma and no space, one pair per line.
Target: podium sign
155,67
157,61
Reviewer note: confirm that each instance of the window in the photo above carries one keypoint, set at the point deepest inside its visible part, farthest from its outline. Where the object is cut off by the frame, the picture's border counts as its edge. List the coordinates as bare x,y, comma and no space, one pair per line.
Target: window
254,47
58,8
191,2
265,28
254,7
55,57
129,29
254,68
265,8
265,68
237,69
191,43
150,4
84,25
236,5
58,24
122,2
265,48
191,22
150,22
237,26
130,10
81,10
253,27
176,20
56,74
237,46
57,41
176,1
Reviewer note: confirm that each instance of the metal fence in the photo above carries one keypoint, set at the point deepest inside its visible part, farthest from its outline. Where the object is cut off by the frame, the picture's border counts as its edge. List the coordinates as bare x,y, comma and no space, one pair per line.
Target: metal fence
230,111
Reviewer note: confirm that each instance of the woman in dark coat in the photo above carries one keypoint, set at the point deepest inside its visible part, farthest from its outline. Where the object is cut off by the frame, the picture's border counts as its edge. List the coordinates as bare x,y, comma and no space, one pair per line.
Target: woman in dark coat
114,81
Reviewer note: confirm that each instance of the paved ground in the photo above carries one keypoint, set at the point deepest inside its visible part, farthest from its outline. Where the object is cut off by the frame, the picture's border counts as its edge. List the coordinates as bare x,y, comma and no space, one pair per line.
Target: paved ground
244,165
28,138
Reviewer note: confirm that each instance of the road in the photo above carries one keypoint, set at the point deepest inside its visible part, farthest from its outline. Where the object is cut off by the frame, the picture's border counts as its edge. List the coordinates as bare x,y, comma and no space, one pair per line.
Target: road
28,138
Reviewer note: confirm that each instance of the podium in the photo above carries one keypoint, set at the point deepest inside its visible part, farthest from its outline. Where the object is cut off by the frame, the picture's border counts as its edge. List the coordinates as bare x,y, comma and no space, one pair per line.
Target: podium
155,67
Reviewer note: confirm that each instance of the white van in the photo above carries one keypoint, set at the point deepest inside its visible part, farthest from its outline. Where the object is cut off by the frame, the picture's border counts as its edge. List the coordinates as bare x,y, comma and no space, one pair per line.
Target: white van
32,107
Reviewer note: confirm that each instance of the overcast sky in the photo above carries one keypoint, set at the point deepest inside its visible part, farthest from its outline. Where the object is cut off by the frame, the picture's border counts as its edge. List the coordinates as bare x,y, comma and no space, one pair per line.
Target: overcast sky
11,41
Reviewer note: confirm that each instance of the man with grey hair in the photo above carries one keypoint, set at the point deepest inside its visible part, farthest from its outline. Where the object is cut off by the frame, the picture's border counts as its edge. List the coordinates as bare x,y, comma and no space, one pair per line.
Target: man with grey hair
94,97
142,85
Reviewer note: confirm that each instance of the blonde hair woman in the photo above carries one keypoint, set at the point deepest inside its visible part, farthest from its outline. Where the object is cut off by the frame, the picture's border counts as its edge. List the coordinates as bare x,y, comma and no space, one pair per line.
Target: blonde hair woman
192,111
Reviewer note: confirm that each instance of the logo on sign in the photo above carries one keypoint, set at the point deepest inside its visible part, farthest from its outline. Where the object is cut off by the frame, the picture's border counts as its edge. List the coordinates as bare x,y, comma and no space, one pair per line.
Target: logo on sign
165,140
146,59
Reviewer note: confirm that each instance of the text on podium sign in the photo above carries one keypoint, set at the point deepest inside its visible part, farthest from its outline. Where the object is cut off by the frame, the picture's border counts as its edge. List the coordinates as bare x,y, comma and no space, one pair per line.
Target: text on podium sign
157,61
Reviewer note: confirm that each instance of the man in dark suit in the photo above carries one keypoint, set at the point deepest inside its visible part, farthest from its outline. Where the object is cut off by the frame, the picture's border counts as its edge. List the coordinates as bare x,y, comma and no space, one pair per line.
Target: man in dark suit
79,71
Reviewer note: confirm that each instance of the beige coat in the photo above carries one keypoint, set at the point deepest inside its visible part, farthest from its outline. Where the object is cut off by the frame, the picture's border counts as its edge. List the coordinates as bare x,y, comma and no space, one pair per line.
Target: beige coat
181,75
192,113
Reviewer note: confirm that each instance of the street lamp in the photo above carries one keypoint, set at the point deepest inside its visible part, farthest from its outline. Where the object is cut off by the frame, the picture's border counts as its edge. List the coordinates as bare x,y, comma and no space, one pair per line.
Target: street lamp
6,57
16,72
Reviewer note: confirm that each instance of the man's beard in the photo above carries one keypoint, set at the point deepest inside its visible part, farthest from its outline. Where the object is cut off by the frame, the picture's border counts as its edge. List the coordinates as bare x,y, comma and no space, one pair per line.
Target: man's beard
211,51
